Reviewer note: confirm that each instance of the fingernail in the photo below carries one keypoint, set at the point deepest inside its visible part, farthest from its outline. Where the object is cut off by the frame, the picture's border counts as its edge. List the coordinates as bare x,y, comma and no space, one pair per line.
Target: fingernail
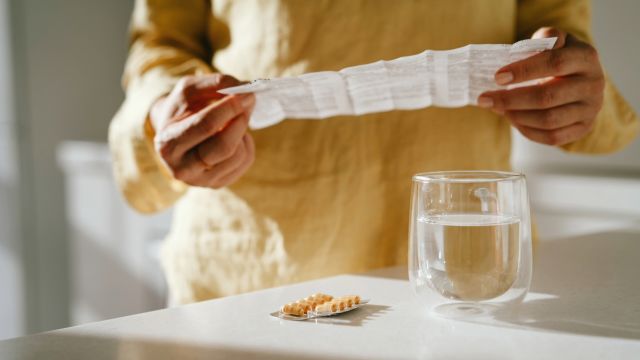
504,78
485,102
247,101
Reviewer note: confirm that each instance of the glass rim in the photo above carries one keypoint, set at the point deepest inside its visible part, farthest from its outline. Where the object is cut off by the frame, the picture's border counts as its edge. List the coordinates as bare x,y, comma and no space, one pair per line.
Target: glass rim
467,176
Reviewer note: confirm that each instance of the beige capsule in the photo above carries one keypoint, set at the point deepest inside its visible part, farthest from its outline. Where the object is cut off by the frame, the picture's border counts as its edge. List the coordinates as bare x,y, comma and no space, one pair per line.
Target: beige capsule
304,305
354,298
322,296
327,307
293,309
287,308
348,301
313,302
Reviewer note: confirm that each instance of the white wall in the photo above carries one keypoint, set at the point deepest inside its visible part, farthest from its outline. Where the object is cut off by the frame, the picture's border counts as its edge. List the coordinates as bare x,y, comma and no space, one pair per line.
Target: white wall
69,56
11,279
615,29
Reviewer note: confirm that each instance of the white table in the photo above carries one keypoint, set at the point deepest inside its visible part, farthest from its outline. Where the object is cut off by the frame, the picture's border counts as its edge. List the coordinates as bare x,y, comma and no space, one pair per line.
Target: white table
584,304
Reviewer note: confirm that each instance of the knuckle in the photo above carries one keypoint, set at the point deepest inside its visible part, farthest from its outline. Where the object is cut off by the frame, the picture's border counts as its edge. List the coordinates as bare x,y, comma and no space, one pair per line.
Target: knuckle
165,149
598,85
597,104
204,125
596,93
525,133
234,106
522,72
545,97
180,173
243,121
502,100
591,54
513,115
215,183
207,125
226,148
557,61
553,138
549,119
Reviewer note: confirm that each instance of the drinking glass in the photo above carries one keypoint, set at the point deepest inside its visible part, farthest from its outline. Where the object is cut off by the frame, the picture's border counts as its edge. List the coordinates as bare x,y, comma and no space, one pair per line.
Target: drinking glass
470,241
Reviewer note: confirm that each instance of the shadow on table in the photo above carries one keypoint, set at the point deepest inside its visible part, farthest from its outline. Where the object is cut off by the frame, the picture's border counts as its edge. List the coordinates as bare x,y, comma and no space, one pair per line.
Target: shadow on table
357,317
57,346
593,283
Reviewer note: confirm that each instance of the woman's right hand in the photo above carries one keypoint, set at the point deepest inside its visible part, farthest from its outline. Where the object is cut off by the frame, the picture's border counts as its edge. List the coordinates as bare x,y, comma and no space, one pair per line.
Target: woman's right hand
202,135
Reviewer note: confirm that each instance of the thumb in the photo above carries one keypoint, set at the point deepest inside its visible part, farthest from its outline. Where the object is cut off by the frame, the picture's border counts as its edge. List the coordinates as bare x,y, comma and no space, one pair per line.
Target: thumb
547,32
216,81
200,90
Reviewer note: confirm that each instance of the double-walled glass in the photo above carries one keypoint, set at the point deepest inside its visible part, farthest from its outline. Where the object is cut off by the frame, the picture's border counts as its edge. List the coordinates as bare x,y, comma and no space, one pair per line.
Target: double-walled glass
470,240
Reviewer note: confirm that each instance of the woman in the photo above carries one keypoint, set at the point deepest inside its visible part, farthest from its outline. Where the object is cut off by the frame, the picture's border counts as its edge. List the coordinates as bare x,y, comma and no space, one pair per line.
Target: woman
328,197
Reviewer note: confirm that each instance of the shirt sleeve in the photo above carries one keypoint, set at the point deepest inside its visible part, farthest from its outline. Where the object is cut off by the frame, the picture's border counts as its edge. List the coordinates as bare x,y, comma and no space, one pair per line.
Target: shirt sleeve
168,41
616,124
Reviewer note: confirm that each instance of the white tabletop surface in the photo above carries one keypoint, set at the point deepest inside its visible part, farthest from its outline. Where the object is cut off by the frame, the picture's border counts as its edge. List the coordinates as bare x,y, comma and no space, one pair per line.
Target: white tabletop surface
584,304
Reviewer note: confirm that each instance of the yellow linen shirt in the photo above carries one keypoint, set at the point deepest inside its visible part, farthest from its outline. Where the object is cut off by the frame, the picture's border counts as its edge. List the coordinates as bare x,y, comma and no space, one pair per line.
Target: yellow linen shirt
323,197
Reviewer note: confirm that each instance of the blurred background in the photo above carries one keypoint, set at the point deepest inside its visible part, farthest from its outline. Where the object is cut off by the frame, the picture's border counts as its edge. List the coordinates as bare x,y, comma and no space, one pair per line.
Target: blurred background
72,252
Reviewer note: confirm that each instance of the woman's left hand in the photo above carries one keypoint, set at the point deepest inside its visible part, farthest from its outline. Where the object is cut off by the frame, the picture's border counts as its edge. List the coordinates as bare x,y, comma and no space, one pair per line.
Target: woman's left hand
563,107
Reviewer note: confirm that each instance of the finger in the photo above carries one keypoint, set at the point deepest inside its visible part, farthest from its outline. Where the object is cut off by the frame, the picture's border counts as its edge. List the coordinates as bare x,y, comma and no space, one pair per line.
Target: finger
550,94
556,137
549,119
223,145
559,62
196,128
204,87
207,88
227,166
189,169
217,81
193,93
548,32
244,166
